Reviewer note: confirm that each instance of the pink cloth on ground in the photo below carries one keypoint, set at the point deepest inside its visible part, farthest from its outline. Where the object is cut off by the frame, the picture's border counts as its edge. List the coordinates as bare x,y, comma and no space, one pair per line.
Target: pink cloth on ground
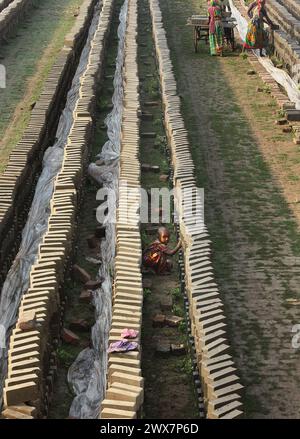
129,333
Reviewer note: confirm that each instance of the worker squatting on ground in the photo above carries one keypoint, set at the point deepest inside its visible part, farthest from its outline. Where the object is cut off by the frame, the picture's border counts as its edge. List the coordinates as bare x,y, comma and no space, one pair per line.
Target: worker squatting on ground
156,254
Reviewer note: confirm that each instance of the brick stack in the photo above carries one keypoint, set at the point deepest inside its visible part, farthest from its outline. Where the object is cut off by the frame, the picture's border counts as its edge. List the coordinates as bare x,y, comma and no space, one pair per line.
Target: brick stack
292,6
124,395
287,38
287,16
281,98
220,383
4,4
31,358
11,14
18,180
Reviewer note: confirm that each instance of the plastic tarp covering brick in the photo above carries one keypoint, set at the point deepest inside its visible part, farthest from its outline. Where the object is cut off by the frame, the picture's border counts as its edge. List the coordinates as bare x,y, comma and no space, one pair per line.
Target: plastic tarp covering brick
279,75
87,375
17,280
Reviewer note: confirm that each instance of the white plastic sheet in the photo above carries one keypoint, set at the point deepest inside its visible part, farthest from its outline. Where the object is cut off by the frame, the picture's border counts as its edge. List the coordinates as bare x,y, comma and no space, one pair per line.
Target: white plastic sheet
87,375
17,280
279,75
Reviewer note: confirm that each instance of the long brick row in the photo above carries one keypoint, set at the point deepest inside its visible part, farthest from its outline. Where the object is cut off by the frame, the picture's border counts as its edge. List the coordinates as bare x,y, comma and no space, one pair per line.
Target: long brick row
287,38
221,385
17,182
286,20
11,12
31,359
125,390
293,6
4,4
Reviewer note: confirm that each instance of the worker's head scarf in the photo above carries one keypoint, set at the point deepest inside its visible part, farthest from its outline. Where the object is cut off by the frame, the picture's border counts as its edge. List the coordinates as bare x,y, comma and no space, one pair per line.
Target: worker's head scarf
213,3
260,4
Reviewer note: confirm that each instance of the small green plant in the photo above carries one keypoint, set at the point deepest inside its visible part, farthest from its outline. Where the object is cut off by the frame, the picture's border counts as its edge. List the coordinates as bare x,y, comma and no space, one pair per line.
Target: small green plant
177,310
147,293
160,142
152,88
157,123
267,89
65,358
176,293
186,366
182,327
145,238
244,55
281,113
103,104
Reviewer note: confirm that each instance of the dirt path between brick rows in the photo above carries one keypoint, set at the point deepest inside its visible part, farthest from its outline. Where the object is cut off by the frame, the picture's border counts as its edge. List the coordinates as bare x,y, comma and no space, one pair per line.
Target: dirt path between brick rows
250,172
169,384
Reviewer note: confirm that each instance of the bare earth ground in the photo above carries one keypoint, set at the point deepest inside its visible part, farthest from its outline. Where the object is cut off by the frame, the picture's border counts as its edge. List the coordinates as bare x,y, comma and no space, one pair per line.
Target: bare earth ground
250,172
28,57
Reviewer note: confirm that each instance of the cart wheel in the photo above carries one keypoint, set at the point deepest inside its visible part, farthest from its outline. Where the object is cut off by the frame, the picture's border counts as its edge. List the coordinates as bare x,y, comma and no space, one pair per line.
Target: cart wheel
195,40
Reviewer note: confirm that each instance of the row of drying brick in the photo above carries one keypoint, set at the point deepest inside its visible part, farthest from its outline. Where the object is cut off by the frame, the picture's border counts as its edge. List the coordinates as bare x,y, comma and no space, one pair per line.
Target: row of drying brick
17,182
220,383
4,4
286,20
30,373
282,99
287,38
11,13
124,395
293,6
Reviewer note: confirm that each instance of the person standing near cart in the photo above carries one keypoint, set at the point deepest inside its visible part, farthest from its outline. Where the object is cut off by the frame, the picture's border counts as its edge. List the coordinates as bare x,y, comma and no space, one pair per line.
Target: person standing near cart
216,30
225,6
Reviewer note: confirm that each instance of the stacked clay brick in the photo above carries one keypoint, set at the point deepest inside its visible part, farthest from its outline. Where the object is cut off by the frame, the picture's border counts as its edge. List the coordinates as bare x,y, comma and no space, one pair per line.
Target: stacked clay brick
281,98
11,14
284,53
124,395
220,383
286,14
4,4
18,180
31,360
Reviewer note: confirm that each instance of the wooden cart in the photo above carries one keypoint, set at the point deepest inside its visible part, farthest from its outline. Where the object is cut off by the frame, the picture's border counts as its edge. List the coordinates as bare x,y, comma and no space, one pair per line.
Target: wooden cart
201,29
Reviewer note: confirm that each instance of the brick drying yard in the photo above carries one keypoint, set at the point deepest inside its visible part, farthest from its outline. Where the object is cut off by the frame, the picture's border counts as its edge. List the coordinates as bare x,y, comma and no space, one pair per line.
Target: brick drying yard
105,92
250,171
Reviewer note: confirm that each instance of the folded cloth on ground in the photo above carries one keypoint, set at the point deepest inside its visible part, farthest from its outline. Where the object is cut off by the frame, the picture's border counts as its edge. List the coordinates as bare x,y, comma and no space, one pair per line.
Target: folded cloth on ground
129,333
122,346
